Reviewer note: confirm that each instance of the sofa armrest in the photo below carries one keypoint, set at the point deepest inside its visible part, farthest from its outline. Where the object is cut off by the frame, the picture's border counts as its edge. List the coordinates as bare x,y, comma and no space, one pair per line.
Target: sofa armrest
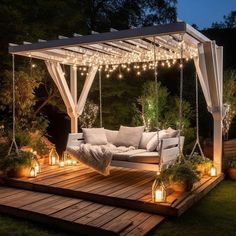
75,139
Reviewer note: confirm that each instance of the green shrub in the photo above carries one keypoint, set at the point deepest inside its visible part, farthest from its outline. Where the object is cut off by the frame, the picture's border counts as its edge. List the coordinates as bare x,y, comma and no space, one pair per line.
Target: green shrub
13,161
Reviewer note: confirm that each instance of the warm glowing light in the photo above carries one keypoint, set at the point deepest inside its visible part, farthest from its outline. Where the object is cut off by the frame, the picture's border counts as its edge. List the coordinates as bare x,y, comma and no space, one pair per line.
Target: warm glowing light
62,164
69,162
37,167
138,73
160,194
32,172
120,76
74,162
213,171
53,160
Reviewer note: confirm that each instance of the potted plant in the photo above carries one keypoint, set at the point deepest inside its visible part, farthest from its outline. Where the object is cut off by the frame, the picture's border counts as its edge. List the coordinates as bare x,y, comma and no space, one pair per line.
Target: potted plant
202,164
232,168
181,176
17,166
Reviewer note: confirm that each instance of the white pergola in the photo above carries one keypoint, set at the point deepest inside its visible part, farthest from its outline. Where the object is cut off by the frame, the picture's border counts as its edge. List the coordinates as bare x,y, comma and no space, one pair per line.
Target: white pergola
171,42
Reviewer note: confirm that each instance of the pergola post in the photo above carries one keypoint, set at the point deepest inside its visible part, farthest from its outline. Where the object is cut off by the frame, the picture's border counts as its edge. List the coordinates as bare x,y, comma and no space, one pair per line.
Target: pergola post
209,66
73,90
217,144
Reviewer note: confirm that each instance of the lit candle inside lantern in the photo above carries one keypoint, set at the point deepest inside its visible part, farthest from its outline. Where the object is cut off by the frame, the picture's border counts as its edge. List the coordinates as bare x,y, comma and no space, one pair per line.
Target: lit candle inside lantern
62,163
37,167
32,172
213,171
158,195
74,162
35,153
69,162
53,160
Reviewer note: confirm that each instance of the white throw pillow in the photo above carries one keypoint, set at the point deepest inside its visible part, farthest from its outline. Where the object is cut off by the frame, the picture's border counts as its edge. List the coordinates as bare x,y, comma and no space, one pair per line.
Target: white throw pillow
95,136
111,135
129,136
146,137
153,144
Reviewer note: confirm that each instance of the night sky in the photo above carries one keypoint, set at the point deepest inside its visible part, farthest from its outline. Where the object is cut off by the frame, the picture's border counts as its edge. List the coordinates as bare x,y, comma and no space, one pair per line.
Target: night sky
204,12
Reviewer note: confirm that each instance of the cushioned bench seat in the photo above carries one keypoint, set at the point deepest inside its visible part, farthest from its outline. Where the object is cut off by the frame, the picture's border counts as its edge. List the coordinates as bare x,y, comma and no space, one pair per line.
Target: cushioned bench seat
138,156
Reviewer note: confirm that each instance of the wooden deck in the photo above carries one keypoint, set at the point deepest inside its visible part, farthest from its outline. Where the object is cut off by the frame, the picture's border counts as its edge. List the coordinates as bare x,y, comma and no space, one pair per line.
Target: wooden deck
126,188
75,215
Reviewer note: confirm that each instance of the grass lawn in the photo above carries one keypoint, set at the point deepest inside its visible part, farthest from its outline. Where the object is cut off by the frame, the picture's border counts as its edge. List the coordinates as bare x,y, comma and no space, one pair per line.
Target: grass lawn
213,216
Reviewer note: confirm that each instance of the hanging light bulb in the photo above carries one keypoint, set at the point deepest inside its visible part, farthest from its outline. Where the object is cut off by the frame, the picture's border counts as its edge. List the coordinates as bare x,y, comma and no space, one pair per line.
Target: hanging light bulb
107,75
138,73
128,69
33,65
82,73
120,76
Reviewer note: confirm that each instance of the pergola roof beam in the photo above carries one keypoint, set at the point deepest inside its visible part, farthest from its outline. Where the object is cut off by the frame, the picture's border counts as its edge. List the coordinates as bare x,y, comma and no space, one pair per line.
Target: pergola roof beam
173,28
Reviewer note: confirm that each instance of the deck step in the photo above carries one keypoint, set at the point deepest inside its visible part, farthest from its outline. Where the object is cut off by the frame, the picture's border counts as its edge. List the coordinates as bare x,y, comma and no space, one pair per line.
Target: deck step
75,214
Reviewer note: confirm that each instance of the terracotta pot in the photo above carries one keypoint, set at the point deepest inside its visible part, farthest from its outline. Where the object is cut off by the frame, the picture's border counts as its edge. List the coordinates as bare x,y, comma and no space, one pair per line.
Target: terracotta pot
232,173
181,186
18,172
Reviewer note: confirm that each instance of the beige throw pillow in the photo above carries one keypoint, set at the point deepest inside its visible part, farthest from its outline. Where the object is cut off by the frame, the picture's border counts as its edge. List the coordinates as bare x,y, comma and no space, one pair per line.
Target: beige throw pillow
111,135
172,133
153,144
94,136
146,137
129,136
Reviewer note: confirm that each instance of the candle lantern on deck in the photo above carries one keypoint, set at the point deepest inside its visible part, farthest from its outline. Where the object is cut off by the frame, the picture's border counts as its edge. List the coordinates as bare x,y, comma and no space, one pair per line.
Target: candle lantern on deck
32,172
37,166
213,171
53,157
158,191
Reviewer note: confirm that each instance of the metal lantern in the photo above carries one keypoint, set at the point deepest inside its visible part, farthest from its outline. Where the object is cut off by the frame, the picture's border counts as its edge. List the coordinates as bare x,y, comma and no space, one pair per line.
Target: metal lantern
32,172
37,167
213,171
53,157
158,191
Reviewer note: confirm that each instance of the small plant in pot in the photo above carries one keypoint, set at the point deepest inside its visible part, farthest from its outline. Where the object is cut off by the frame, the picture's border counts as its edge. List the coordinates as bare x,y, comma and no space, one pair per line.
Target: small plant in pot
202,164
181,176
17,166
231,171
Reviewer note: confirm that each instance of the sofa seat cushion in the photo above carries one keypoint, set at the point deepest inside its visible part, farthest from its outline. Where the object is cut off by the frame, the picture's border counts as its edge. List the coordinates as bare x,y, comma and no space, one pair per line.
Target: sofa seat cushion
124,156
145,157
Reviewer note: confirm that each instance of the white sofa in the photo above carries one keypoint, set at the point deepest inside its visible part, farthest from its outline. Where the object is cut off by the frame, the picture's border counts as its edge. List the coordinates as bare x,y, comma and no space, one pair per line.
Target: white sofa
139,158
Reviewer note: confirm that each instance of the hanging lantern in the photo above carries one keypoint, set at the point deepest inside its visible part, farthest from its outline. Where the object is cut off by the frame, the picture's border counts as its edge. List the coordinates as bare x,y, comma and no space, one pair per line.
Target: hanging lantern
32,173
213,171
158,191
53,157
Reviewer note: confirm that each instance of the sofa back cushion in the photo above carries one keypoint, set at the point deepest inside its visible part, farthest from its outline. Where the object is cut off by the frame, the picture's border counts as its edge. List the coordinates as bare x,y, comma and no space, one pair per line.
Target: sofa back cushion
129,136
111,135
95,136
146,137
